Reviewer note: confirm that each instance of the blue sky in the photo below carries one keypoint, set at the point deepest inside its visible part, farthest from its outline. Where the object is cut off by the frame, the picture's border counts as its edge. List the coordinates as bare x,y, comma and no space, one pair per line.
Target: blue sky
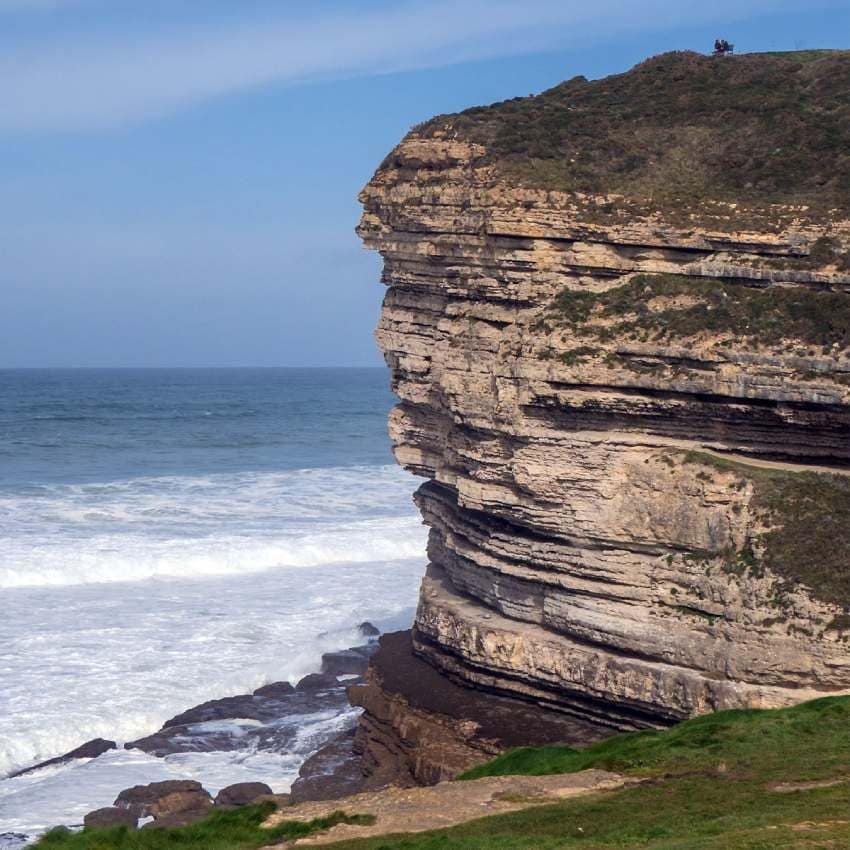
179,177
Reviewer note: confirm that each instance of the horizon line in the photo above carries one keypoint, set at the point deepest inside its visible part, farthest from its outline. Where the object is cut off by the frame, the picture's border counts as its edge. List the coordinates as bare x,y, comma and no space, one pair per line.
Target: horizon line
153,368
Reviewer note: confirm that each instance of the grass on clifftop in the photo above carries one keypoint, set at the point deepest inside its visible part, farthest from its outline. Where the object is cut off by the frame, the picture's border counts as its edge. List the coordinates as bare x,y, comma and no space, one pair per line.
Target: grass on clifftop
223,830
753,128
712,783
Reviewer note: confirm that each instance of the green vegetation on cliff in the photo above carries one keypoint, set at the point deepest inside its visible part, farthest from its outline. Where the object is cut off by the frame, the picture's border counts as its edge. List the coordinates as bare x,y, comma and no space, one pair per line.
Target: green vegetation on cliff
807,515
662,307
736,780
754,128
810,543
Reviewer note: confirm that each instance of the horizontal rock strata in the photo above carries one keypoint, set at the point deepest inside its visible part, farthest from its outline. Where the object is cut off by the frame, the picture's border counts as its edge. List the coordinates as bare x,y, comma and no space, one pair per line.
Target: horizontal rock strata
635,428
419,727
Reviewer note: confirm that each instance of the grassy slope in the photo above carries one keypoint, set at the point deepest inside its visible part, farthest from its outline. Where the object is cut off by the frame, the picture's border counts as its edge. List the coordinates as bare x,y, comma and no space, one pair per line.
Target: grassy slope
708,786
235,830
680,127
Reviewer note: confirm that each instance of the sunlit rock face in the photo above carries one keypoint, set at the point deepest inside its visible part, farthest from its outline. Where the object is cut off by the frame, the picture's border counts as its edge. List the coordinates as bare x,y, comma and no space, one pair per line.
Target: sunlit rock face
634,422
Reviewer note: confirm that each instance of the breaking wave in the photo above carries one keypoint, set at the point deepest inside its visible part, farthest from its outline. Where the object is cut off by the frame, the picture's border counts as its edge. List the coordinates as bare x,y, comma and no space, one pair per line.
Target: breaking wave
182,527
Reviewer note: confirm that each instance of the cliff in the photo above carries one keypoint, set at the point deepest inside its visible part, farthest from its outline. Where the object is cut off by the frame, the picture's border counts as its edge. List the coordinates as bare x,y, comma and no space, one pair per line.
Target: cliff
618,324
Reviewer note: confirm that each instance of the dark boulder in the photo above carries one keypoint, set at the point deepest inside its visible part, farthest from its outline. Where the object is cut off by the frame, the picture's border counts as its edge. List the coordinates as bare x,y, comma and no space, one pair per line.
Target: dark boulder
110,816
317,682
241,794
275,690
368,630
346,662
141,799
181,803
89,750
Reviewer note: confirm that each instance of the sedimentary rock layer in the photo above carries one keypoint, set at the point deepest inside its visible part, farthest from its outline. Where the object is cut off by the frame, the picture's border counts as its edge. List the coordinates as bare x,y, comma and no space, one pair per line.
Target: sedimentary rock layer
635,426
419,727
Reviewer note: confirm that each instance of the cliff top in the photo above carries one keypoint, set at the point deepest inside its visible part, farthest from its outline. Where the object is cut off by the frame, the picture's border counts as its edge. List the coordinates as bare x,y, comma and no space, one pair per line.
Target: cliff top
759,128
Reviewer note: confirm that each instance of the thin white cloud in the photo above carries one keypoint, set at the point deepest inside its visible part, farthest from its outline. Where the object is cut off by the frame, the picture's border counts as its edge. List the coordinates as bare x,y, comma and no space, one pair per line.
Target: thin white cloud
95,82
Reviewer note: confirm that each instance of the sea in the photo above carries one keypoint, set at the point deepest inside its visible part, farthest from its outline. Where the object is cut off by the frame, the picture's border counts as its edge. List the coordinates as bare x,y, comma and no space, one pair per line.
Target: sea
171,536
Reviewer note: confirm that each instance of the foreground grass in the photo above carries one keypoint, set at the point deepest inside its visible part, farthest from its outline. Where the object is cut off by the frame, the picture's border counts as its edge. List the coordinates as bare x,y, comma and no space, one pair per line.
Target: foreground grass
233,830
710,784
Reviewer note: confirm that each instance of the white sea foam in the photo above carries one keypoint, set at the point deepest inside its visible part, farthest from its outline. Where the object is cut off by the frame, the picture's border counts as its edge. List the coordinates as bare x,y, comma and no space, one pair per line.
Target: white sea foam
126,603
114,662
97,661
32,803
130,557
215,525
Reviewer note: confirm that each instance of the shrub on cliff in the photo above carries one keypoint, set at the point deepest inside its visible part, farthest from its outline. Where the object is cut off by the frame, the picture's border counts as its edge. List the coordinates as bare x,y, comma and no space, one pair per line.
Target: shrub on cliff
674,307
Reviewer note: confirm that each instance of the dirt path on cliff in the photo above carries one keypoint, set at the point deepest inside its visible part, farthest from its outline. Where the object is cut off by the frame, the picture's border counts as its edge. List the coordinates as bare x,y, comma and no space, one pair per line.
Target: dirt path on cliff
733,457
447,804
758,463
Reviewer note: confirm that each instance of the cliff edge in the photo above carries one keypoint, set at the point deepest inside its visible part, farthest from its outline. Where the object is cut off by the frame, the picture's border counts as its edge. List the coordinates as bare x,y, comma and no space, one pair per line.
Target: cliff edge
618,324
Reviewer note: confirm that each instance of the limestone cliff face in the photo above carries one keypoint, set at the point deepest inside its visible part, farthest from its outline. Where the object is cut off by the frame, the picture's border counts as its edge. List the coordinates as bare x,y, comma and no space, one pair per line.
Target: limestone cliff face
635,428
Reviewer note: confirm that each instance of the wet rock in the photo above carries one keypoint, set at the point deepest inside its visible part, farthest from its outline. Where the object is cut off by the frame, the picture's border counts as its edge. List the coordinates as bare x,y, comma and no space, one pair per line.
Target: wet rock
317,682
241,794
275,690
368,630
243,705
13,840
89,750
271,719
110,816
263,721
140,799
348,662
331,773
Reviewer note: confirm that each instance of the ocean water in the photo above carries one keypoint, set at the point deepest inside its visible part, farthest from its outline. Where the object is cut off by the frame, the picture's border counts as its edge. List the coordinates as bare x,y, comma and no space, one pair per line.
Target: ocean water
173,536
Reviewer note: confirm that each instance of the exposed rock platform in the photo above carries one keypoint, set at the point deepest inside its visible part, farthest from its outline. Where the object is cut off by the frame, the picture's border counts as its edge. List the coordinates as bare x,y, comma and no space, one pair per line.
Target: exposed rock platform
446,804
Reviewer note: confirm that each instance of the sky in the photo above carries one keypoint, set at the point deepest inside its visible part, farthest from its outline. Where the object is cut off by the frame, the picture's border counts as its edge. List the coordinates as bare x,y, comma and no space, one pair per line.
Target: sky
179,178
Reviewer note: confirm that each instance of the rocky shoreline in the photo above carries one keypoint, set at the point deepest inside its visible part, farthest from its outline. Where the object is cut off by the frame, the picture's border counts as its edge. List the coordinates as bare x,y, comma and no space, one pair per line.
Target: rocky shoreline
417,727
420,727
269,719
